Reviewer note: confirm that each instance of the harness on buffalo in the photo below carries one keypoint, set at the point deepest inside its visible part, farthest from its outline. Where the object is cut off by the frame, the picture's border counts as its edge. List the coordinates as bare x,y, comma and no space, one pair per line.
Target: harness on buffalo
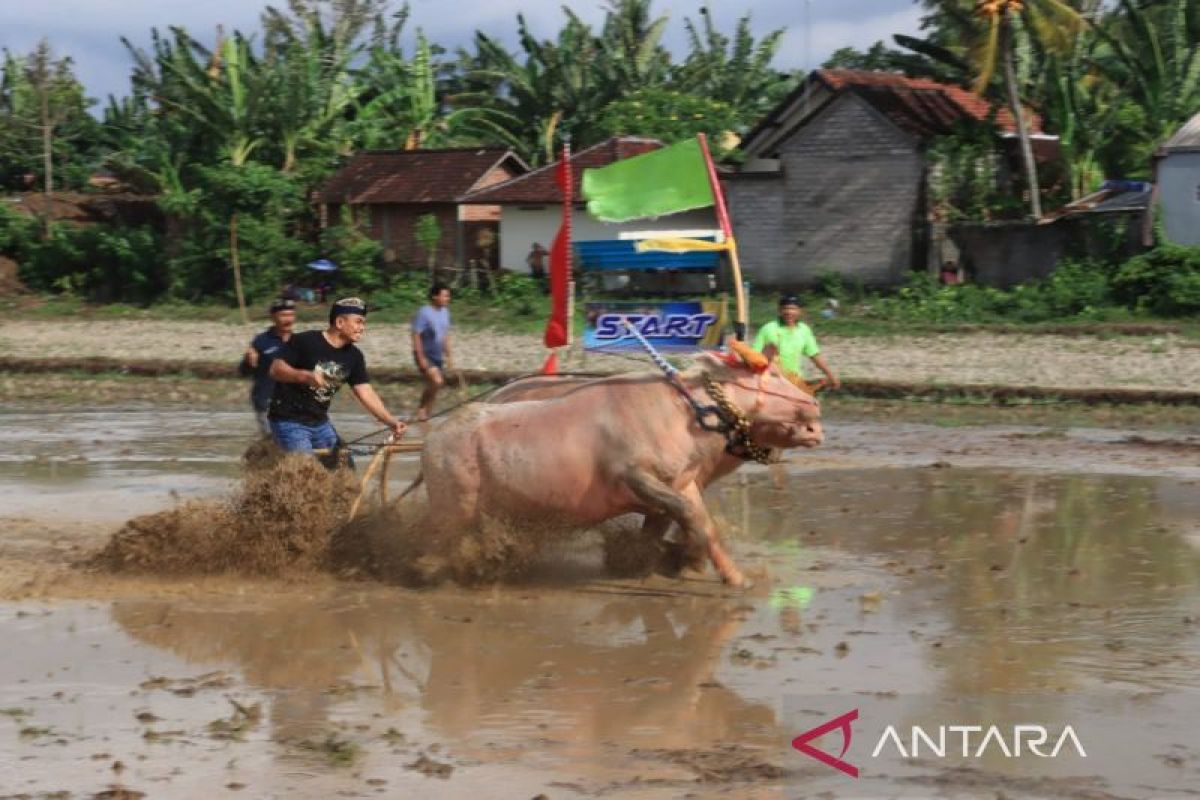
723,417
735,425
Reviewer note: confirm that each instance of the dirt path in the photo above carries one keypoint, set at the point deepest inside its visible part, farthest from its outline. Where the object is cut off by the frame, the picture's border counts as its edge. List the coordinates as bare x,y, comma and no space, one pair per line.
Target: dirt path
1163,362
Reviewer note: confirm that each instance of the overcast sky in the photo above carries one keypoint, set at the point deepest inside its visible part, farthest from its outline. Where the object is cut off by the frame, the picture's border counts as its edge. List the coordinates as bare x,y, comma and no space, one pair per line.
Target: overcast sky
90,30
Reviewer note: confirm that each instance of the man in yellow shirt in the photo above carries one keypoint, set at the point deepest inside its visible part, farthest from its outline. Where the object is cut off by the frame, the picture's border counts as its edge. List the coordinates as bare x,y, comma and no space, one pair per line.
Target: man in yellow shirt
788,339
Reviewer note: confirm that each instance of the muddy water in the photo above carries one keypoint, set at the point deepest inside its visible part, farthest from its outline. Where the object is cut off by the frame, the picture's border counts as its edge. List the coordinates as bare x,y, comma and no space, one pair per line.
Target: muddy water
118,463
999,592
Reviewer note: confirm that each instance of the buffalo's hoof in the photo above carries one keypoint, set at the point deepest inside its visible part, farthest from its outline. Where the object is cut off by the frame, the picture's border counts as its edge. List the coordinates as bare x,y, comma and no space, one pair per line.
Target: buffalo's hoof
737,581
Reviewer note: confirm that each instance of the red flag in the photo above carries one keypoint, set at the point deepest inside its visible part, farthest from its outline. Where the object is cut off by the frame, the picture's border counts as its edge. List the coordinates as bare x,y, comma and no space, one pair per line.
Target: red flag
560,260
551,365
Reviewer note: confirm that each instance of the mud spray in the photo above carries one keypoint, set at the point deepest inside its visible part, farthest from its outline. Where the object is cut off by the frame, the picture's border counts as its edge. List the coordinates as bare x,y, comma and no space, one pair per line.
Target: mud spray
288,516
279,519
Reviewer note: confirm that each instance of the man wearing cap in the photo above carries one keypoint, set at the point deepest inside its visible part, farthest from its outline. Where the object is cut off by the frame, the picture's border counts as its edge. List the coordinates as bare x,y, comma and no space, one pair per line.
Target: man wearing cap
309,372
264,349
789,339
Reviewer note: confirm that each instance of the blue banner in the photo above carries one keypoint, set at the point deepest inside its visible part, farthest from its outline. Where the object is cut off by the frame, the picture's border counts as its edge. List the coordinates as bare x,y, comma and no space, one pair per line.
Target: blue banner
671,326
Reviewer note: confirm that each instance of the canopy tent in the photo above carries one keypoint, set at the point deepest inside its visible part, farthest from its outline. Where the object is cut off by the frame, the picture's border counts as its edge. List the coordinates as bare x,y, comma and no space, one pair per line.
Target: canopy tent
614,255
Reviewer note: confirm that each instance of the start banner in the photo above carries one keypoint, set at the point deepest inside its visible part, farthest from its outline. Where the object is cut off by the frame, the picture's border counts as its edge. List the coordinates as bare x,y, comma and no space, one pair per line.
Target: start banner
671,326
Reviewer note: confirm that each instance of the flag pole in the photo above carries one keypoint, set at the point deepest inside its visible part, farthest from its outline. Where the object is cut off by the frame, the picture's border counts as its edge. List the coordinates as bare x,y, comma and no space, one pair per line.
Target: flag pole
739,320
568,212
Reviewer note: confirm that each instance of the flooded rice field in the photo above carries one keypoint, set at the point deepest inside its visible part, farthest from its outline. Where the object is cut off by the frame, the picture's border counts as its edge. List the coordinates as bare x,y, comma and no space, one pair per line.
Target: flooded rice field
975,584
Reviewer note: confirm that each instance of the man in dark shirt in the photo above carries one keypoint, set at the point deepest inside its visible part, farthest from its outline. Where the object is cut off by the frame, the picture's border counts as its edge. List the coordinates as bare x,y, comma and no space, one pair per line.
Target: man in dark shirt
264,349
309,373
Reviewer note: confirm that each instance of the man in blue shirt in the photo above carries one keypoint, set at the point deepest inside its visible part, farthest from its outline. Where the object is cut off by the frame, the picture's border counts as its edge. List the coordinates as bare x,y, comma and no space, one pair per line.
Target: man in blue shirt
264,349
431,345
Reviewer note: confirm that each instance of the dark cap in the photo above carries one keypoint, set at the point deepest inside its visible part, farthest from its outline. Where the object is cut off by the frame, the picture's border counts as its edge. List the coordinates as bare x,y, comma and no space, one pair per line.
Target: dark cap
282,304
789,300
347,305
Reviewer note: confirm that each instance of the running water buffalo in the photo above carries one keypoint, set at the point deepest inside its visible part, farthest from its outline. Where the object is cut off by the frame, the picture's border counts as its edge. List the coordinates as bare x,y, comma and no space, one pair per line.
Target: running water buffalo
607,447
624,550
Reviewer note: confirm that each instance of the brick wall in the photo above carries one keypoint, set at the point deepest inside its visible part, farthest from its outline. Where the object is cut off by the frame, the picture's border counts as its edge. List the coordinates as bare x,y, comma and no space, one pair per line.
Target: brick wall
848,201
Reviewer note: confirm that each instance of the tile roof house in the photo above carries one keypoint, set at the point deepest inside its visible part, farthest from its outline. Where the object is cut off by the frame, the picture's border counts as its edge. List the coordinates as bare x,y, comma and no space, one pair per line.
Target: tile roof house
531,204
835,178
389,190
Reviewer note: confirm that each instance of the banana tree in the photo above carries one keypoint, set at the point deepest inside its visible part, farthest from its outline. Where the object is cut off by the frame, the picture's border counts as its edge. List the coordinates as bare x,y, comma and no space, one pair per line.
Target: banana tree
1155,57
736,70
225,99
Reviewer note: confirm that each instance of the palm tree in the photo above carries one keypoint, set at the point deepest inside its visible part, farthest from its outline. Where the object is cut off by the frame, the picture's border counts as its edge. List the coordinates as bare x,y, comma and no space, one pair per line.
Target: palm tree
631,54
1054,24
525,98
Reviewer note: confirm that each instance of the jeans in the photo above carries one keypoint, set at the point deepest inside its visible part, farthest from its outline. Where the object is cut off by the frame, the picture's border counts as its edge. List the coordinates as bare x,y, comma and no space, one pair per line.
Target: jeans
299,437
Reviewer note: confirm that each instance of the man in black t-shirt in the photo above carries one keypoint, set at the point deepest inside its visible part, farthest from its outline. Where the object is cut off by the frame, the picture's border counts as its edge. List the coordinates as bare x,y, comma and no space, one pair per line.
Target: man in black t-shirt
312,368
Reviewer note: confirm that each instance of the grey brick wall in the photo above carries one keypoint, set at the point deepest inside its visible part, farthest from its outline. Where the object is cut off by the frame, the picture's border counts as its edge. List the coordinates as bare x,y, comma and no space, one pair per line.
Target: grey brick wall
847,202
756,208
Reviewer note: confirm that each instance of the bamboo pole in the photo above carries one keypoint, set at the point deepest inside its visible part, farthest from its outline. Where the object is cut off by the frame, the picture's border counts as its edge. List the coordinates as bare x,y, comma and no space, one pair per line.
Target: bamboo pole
739,322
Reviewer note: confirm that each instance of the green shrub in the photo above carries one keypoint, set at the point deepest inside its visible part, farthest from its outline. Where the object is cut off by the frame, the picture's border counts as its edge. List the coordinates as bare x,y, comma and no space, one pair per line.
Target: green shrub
1165,280
97,262
358,256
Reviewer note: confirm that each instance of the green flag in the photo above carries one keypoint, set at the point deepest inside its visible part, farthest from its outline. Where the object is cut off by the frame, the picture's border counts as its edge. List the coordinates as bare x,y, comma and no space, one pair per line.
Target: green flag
661,182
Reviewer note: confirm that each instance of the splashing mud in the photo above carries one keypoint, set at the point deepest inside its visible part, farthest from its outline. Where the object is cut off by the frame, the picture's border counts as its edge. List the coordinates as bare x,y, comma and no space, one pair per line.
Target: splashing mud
280,519
403,544
289,516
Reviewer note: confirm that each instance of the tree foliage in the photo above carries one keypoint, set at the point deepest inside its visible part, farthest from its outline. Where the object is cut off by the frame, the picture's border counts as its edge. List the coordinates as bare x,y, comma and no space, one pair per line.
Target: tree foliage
232,132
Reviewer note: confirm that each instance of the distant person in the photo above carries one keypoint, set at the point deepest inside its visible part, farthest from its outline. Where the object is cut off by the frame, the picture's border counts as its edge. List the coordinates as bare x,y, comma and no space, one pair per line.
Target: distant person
308,374
431,345
788,339
264,349
950,275
537,263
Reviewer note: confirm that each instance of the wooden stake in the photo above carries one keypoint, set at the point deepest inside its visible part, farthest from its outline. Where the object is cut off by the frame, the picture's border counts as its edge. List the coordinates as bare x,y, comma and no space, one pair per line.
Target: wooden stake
237,267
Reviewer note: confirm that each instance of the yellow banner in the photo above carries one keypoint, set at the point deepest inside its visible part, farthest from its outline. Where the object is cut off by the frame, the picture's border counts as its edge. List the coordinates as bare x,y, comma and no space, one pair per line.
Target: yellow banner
681,245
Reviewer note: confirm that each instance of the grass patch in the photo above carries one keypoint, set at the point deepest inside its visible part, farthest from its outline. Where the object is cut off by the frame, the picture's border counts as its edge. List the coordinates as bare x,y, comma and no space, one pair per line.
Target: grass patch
338,752
34,731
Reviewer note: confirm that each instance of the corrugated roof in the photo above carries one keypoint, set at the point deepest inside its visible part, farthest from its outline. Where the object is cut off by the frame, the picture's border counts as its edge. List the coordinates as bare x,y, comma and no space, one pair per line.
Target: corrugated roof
1115,196
1187,137
539,186
414,176
621,254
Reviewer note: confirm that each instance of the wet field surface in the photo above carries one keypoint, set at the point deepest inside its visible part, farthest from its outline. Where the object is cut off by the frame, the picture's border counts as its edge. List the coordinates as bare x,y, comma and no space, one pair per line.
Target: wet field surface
916,575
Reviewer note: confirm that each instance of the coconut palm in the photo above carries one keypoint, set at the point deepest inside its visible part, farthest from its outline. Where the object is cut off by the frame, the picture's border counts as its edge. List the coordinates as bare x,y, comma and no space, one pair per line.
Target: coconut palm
1054,25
